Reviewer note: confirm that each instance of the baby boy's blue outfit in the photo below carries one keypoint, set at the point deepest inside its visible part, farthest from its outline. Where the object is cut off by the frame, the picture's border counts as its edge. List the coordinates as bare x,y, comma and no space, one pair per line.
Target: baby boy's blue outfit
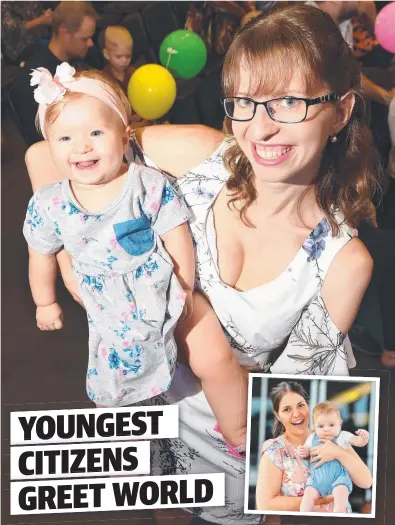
332,473
130,291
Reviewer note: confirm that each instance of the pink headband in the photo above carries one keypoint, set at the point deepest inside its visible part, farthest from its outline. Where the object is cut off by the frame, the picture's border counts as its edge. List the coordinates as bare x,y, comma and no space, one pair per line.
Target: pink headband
52,89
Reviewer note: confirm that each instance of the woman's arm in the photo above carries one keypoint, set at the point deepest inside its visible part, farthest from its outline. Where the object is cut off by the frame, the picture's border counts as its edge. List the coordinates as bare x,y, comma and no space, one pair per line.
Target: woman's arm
178,244
176,149
377,93
359,472
40,166
346,282
268,489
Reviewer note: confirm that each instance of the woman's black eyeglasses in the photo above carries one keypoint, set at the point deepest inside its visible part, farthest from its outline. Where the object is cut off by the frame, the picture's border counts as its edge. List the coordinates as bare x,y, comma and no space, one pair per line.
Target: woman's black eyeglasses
287,110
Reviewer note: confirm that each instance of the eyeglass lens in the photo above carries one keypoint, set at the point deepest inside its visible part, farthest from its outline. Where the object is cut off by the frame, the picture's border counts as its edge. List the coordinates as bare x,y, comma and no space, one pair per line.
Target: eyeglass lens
282,109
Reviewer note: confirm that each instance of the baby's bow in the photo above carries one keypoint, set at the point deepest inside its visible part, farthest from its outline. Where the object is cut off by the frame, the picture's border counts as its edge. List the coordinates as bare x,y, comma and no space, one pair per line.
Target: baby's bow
50,88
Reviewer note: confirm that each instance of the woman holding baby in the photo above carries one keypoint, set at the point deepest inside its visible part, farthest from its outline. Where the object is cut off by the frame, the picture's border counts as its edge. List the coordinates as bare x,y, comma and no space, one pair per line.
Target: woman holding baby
288,483
274,209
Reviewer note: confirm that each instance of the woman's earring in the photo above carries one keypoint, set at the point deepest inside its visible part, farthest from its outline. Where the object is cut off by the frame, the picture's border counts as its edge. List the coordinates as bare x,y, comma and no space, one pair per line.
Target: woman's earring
333,138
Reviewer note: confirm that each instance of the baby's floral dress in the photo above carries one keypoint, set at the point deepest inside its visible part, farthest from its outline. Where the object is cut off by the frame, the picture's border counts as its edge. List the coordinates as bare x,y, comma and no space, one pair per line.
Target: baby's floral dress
126,279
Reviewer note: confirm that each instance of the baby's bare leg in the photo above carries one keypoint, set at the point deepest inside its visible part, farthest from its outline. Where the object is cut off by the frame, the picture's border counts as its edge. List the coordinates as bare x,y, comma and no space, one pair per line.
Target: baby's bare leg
309,497
340,495
224,382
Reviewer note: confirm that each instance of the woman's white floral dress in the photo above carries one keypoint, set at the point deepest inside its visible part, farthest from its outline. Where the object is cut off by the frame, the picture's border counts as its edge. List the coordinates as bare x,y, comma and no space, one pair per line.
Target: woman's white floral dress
285,317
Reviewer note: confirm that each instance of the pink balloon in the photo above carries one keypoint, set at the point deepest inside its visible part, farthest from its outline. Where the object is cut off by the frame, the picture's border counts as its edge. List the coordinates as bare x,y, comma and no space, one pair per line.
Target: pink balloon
385,27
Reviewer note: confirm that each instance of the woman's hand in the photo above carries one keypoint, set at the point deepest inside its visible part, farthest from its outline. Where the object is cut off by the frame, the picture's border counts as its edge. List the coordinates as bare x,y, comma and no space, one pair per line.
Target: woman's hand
323,500
324,453
188,306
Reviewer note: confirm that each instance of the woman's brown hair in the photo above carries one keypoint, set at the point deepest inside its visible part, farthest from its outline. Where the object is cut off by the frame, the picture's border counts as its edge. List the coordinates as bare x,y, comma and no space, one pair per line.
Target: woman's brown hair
277,393
271,47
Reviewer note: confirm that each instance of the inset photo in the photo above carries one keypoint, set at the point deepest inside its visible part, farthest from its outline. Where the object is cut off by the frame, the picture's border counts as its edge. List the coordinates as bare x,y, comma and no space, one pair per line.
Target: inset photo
312,445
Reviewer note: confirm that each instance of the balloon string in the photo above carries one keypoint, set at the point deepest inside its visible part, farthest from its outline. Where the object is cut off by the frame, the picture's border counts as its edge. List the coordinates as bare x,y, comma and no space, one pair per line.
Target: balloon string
170,51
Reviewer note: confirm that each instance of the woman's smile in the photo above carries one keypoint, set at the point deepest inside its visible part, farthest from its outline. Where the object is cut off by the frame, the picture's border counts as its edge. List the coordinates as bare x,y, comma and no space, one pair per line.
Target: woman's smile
270,155
298,422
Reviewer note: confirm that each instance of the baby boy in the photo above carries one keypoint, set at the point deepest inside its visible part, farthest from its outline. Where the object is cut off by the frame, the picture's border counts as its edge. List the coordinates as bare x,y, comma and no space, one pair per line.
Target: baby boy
330,478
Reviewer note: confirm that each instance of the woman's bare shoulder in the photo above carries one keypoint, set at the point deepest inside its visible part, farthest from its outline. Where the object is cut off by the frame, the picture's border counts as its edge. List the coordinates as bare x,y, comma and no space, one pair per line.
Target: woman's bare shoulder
33,152
40,166
178,148
268,443
351,261
346,282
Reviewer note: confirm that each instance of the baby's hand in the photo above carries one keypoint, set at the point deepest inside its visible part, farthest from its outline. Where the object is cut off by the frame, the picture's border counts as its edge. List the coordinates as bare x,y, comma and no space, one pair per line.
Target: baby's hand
188,306
364,435
302,451
49,317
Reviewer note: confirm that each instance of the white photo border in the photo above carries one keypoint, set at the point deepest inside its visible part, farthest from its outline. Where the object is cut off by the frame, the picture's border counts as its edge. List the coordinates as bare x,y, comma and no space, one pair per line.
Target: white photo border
287,377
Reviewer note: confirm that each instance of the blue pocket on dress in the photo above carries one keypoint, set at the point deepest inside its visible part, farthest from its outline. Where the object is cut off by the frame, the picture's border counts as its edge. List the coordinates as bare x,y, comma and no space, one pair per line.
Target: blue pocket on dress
135,236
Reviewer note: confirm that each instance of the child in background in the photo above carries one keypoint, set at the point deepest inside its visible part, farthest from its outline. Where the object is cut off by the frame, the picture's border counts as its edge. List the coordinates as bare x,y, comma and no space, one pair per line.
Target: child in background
330,478
117,48
123,228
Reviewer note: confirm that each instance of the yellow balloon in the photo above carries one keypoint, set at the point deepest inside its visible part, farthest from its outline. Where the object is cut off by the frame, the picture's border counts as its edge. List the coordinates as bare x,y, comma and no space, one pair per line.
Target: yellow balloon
151,91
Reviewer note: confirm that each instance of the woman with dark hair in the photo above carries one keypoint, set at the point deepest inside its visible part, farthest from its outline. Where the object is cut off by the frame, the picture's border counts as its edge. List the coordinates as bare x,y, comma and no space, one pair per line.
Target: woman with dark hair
282,474
275,207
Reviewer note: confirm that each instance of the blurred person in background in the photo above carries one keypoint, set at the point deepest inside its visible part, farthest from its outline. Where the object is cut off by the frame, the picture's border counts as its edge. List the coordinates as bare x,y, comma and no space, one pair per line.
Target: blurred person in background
23,24
342,13
117,48
73,26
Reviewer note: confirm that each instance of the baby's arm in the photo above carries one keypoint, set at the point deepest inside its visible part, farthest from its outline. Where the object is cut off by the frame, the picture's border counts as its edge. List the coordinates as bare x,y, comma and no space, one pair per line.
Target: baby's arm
44,241
42,277
304,451
178,244
361,438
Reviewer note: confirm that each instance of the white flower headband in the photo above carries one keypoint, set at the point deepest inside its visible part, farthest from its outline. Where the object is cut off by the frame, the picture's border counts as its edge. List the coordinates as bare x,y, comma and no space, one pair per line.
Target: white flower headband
52,89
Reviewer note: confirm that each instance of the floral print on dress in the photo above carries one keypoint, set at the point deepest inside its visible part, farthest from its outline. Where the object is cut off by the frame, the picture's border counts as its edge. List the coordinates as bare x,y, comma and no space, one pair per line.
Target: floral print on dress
147,269
258,324
168,195
295,471
315,243
132,300
34,218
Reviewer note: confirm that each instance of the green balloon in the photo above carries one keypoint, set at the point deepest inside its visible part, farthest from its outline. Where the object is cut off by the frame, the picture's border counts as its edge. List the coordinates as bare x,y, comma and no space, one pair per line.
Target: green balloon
183,53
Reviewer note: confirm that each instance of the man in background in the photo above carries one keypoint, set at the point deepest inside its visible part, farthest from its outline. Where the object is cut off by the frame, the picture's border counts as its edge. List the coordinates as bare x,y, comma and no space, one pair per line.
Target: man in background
73,26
